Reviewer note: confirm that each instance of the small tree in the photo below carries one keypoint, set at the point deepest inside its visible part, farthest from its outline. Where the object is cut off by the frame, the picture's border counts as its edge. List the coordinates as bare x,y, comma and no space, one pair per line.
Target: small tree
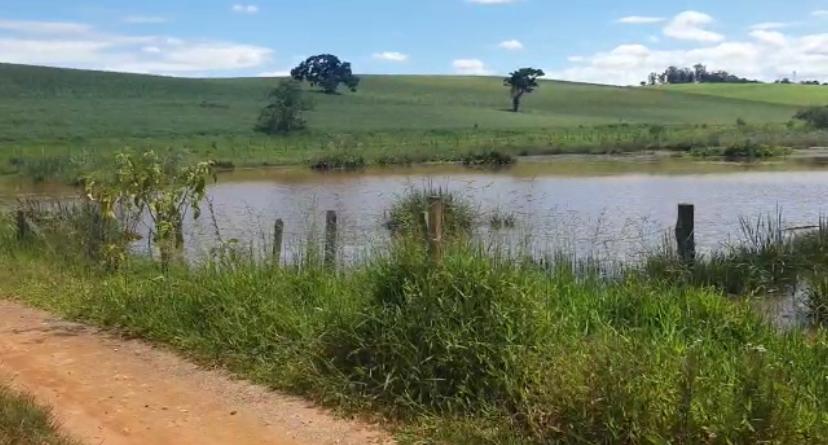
816,117
284,112
327,72
521,82
143,186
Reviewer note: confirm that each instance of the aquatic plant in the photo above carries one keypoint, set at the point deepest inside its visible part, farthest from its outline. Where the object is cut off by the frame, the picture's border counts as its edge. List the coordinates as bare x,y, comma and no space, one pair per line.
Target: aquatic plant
407,214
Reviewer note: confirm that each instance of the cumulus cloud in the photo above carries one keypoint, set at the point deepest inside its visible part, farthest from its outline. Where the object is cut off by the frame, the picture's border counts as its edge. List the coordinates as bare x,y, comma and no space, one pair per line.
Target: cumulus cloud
391,56
765,56
511,45
774,38
470,67
81,46
245,9
691,25
640,20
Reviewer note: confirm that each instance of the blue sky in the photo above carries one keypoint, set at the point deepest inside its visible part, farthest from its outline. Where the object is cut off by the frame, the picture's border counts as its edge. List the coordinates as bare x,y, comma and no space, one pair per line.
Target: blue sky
591,40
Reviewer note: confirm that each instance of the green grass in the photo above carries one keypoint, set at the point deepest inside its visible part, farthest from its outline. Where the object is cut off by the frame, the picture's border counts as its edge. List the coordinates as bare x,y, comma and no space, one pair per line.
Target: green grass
796,95
22,422
58,122
476,349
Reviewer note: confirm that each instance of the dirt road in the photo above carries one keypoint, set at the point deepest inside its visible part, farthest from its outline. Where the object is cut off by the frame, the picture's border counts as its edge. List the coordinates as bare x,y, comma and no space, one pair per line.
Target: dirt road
109,391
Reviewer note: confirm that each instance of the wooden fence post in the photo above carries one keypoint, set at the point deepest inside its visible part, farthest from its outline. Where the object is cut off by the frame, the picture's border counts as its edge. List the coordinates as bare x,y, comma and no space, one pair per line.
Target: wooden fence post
278,234
435,227
330,239
686,233
22,225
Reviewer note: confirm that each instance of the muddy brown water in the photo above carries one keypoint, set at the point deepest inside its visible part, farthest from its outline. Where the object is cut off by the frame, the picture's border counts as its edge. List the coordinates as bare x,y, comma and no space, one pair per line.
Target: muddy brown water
605,207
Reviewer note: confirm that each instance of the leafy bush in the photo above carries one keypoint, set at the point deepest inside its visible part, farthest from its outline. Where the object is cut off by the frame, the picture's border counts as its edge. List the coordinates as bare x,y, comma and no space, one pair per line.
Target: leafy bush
340,160
492,158
816,117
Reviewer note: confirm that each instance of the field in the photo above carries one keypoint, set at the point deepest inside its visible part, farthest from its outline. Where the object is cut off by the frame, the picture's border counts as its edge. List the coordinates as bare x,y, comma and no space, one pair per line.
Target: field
57,122
797,95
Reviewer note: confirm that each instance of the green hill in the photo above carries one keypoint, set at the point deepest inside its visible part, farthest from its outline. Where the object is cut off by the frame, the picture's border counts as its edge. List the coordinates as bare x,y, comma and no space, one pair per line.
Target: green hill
59,122
47,103
797,95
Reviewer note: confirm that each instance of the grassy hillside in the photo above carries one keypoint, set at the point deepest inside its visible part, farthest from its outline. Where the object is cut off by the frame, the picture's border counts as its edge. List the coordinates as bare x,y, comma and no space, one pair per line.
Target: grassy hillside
58,122
45,103
796,95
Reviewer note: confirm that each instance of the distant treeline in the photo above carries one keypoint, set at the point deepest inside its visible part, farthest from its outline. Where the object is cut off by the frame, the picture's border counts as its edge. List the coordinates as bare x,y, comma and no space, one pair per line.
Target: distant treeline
697,74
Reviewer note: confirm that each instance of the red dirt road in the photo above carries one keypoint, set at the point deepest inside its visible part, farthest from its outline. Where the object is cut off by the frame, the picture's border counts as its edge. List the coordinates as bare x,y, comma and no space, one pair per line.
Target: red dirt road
110,391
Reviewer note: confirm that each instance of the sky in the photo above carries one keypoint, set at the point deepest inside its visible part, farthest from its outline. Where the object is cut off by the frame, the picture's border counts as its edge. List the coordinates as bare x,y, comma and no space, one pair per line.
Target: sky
601,41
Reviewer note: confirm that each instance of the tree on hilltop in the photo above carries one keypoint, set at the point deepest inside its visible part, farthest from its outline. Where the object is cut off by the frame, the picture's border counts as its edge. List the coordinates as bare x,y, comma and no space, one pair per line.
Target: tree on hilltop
522,81
327,72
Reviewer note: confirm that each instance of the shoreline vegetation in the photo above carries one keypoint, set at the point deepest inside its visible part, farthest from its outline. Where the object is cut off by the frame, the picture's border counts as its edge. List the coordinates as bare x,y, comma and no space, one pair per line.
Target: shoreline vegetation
473,148
474,345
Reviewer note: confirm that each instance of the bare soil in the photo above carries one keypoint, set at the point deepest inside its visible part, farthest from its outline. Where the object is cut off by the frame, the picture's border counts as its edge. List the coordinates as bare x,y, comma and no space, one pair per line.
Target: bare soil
107,390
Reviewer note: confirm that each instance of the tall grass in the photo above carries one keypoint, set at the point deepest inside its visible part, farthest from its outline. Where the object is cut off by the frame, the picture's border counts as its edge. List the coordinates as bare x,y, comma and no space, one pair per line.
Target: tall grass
22,422
768,259
479,346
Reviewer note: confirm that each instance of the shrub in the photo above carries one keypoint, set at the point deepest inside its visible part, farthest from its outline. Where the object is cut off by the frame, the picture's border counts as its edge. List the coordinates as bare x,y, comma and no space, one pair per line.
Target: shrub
492,158
816,117
338,161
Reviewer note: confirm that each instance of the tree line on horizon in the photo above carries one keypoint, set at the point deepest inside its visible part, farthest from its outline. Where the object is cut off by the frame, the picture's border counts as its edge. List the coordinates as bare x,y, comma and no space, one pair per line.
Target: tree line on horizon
699,73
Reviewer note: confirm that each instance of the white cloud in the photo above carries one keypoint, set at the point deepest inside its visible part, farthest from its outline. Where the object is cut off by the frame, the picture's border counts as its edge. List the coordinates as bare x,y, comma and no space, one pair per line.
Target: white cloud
32,27
81,46
640,20
492,2
145,20
470,67
766,56
690,25
245,9
769,37
511,45
770,25
391,56
274,74
820,13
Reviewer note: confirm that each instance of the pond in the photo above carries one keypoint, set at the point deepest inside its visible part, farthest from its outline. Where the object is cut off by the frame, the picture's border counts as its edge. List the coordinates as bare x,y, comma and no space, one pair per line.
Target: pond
604,207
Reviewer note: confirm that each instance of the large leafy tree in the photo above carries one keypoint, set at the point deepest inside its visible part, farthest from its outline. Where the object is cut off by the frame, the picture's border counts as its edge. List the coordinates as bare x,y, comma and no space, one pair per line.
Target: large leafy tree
284,112
522,81
327,72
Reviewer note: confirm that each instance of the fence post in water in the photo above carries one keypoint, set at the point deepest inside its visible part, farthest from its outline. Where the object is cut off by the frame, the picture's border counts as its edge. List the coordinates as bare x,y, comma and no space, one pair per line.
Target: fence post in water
330,239
435,227
686,233
278,233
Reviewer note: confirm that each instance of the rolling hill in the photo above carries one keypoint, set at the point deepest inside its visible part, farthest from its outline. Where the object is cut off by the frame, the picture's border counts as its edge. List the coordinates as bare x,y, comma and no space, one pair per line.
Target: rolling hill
44,104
